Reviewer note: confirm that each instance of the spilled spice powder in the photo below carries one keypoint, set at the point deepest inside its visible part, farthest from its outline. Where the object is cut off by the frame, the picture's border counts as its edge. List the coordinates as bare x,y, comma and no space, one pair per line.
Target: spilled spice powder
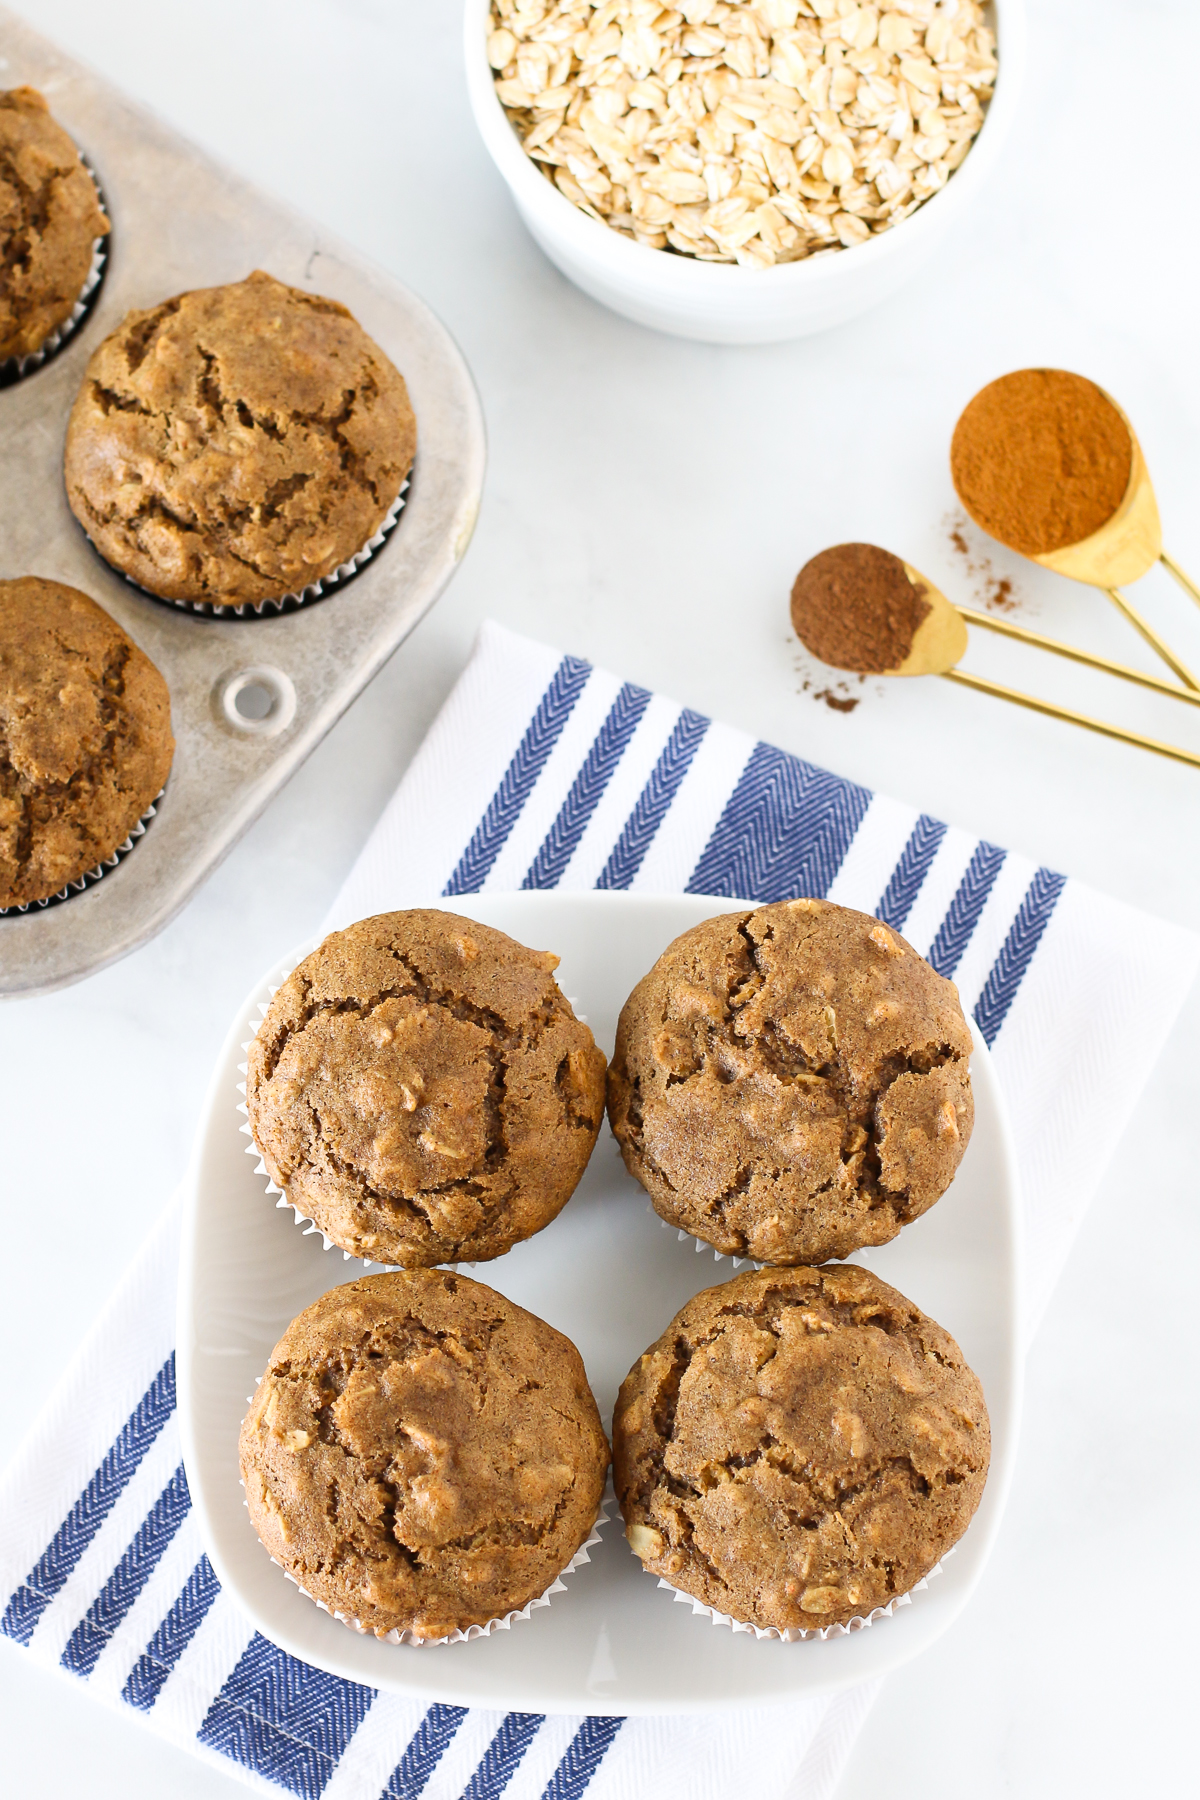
837,695
997,592
855,607
1041,459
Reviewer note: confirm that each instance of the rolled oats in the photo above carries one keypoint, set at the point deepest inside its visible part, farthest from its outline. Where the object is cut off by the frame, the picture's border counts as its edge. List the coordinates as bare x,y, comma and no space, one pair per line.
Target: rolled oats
748,131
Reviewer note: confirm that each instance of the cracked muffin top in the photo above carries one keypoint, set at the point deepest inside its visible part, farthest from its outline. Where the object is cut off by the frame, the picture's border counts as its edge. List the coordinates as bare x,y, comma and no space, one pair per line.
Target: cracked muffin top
85,737
422,1090
421,1454
799,1447
792,1083
50,219
237,443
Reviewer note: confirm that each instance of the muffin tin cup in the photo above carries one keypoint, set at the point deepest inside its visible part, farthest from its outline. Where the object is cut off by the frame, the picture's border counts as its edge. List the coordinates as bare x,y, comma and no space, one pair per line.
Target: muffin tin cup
283,603
16,368
504,1623
796,1634
90,876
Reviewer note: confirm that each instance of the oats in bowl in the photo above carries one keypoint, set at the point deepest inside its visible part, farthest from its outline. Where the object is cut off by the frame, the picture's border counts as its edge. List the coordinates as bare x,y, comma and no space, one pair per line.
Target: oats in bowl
747,131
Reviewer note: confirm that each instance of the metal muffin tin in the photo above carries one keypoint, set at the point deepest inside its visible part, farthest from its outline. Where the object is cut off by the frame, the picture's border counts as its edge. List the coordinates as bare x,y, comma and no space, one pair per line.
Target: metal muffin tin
181,221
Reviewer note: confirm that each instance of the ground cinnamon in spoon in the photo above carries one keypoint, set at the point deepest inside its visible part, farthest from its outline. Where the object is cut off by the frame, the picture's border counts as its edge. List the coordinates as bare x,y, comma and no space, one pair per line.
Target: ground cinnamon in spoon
855,607
1041,459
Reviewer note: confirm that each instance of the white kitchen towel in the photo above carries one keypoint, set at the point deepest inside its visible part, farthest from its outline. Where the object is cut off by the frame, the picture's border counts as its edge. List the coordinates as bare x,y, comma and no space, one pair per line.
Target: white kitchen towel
542,771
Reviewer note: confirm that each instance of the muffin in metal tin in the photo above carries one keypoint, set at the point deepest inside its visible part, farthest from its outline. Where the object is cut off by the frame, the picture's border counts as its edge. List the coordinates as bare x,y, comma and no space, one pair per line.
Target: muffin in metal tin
85,737
237,444
50,219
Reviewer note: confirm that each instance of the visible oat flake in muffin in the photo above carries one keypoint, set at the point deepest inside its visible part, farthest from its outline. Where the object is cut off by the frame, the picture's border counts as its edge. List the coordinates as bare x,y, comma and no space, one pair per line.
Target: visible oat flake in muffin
423,1091
422,1455
50,218
800,1447
792,1083
237,444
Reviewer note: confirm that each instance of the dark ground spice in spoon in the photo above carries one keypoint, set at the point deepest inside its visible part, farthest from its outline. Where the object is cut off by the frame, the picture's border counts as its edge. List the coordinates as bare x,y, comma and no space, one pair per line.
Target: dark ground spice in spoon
855,607
1041,459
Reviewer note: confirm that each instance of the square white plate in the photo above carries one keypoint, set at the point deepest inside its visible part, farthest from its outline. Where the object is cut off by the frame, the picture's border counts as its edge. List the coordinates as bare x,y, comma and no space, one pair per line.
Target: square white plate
611,1277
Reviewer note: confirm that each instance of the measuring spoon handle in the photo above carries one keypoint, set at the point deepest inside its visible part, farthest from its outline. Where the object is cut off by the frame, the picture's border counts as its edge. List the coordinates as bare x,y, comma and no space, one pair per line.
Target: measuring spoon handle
1072,718
1058,648
1185,581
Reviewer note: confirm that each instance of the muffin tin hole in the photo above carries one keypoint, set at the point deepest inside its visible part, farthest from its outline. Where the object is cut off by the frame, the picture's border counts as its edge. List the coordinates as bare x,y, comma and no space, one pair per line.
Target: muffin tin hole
259,701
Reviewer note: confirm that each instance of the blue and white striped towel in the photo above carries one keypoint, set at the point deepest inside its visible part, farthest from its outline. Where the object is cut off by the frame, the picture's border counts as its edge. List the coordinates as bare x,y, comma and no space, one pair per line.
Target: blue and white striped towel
541,771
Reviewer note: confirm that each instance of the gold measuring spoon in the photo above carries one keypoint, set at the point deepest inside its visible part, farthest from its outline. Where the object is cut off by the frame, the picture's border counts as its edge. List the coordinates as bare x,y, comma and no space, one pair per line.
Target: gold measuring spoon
1124,547
870,606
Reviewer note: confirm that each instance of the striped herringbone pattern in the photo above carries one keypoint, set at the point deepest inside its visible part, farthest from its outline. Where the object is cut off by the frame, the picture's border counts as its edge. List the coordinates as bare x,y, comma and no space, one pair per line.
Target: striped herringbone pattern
662,784
1016,952
784,831
906,878
593,777
544,731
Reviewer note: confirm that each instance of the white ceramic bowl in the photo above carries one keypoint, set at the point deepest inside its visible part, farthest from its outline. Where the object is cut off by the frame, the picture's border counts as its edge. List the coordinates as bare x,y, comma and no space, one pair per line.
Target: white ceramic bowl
721,302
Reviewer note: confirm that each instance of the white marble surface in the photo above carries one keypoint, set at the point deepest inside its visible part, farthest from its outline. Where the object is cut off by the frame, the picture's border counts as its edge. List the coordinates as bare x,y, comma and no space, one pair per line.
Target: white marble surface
647,505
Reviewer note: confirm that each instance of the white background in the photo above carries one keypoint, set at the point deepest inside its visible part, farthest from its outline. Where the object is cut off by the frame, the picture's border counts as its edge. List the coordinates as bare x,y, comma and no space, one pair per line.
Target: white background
648,503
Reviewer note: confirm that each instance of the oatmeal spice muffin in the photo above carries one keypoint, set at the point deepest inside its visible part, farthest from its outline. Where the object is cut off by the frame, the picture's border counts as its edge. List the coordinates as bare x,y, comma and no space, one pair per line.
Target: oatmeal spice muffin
799,1447
50,219
421,1454
423,1092
791,1083
235,444
85,737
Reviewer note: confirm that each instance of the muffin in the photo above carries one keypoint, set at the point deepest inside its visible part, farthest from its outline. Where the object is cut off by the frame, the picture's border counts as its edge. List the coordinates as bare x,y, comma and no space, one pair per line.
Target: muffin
422,1455
236,444
792,1083
799,1447
423,1092
85,737
50,219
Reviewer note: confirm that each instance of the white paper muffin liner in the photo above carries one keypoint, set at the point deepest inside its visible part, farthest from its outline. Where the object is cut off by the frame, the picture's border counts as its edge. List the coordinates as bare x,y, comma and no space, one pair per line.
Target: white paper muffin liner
505,1623
797,1634
90,876
15,368
284,603
746,1262
689,1237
